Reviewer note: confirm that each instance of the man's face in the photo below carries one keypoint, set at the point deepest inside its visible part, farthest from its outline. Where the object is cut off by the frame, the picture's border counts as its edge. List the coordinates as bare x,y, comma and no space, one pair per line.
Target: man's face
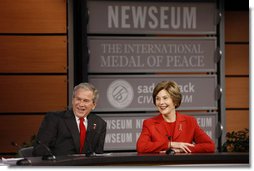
82,102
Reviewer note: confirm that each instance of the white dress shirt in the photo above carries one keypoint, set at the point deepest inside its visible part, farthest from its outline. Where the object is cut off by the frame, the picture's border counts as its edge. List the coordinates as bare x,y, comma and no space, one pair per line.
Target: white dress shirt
85,122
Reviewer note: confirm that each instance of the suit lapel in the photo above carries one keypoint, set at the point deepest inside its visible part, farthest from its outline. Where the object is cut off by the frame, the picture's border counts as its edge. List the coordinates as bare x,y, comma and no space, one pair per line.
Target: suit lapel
91,123
90,133
72,125
159,125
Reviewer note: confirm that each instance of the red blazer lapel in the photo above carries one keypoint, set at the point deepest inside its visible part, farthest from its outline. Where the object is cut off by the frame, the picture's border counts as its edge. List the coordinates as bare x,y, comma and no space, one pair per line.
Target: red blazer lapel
160,127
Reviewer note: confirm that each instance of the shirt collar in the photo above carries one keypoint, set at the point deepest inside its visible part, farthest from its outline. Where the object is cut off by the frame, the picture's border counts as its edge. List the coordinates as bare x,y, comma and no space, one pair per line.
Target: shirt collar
77,118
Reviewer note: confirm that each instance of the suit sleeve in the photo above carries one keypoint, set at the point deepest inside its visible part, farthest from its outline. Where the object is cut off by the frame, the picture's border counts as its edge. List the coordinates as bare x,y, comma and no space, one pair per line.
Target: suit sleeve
146,143
203,143
100,144
46,135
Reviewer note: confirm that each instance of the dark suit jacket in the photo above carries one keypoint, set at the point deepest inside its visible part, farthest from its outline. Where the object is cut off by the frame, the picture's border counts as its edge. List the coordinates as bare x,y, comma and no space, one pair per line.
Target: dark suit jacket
59,132
154,135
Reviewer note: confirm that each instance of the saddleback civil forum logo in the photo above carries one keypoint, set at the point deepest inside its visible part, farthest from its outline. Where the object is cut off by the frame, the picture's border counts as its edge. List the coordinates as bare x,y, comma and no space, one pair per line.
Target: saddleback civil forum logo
120,94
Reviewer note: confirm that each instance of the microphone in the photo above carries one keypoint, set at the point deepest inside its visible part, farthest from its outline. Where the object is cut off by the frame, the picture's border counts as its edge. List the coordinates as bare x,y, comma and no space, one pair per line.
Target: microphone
50,155
24,161
16,145
170,151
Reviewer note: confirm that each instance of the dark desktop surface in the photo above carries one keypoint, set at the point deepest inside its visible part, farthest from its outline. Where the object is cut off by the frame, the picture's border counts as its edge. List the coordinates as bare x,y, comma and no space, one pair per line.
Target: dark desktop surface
133,158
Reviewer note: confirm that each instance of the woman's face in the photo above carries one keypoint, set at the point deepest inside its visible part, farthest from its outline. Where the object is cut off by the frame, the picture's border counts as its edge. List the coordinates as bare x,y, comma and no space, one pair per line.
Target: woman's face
164,103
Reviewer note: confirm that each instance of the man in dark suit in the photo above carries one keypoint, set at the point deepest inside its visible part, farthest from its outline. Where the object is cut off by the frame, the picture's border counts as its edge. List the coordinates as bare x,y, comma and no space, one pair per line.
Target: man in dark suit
59,132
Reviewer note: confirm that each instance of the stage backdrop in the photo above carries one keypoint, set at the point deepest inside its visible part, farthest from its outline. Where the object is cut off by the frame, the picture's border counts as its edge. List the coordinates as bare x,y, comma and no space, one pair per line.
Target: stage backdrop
133,45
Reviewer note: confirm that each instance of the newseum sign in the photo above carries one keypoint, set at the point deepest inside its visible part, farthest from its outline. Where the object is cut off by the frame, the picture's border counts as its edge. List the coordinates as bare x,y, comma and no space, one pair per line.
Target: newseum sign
134,92
151,17
123,130
150,54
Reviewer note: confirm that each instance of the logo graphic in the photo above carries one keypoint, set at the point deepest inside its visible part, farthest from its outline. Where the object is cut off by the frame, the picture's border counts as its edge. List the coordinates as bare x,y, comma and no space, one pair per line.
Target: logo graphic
120,94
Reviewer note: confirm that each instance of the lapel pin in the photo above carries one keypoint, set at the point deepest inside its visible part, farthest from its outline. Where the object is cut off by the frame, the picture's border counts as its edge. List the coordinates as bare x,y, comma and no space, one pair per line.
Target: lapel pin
180,127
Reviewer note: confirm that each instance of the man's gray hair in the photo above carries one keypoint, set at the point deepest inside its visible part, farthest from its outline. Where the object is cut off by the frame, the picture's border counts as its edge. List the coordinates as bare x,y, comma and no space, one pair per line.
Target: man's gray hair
87,86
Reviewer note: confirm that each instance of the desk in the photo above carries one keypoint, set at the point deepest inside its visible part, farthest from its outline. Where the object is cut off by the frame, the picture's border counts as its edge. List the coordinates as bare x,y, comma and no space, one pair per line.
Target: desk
133,158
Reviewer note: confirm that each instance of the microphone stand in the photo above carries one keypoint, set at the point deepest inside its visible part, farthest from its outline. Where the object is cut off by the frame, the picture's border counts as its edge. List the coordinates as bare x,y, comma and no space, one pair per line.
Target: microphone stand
22,162
170,151
50,155
89,150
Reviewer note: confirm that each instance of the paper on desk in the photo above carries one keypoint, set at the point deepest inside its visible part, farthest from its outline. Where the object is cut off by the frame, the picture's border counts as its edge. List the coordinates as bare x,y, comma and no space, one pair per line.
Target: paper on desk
10,161
94,154
104,154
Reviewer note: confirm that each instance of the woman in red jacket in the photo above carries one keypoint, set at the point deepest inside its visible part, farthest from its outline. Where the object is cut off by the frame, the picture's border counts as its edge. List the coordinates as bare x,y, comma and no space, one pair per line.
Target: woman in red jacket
171,131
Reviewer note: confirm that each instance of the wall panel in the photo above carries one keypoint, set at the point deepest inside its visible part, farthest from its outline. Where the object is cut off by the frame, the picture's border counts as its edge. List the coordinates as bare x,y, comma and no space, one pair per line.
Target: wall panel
33,66
237,69
237,120
236,26
33,54
32,93
237,92
237,59
17,128
33,16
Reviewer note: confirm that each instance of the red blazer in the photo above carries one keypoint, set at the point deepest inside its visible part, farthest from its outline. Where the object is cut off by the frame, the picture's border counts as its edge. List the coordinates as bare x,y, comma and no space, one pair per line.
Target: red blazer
154,136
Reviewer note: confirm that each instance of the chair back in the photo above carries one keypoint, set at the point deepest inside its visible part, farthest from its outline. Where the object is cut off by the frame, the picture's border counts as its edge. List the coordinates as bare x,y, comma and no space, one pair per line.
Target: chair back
26,152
